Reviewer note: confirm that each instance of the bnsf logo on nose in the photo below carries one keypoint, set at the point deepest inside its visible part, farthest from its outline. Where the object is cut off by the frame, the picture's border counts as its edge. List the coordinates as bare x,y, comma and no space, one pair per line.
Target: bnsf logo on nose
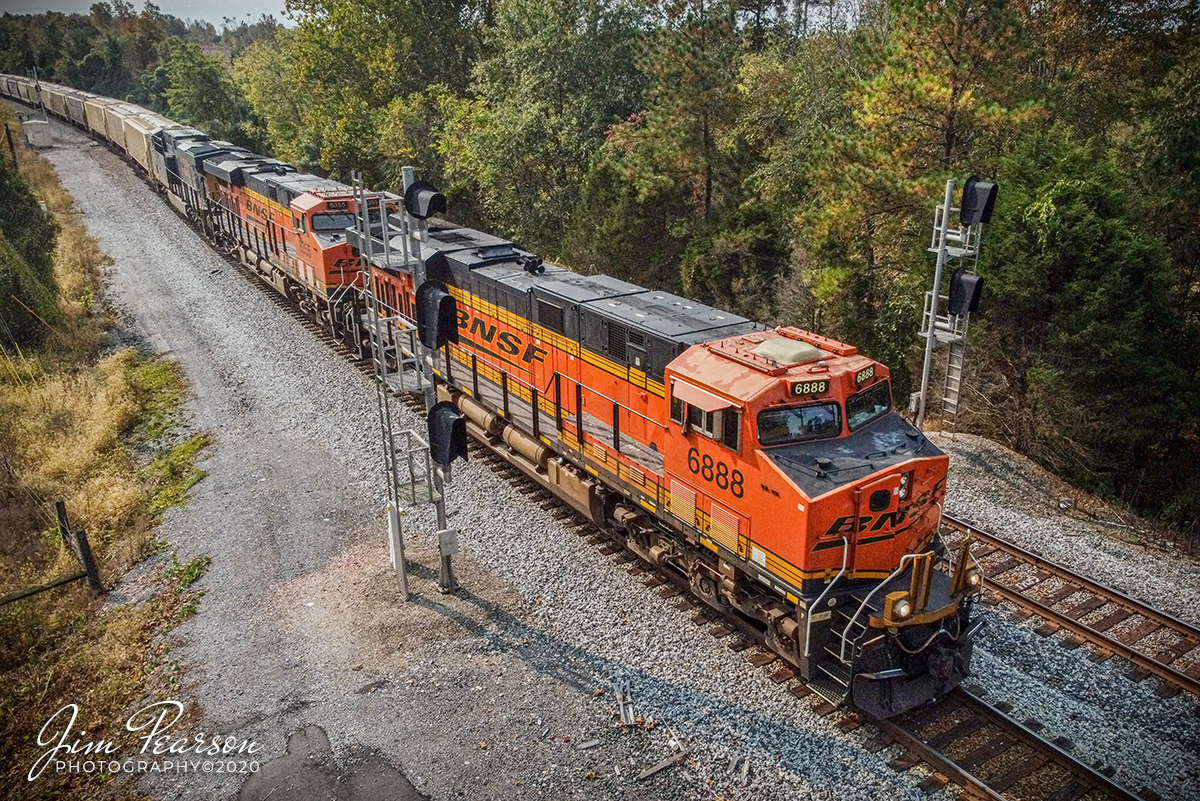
483,333
345,264
845,524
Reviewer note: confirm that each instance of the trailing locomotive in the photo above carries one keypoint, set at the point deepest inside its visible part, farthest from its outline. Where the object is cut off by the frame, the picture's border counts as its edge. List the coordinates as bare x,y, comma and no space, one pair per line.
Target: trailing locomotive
767,467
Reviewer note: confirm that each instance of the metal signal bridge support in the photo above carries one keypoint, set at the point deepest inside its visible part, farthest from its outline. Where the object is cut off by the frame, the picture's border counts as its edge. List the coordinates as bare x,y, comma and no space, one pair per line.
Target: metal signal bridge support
396,354
958,248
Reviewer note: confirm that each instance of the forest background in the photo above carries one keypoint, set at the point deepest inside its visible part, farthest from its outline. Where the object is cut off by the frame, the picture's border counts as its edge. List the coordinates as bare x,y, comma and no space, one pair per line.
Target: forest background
778,159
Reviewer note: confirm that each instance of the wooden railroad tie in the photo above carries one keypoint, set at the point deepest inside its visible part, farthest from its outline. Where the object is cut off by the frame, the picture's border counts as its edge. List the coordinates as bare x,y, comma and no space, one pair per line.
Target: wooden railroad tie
800,689
877,743
903,762
933,782
825,709
783,674
763,658
1017,772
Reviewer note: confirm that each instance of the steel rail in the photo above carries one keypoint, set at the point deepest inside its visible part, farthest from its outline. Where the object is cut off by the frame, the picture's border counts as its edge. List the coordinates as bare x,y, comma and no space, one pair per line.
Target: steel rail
968,781
975,786
978,787
1063,620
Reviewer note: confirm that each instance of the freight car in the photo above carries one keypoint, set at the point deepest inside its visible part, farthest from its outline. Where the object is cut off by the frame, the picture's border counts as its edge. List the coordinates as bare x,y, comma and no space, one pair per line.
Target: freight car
767,467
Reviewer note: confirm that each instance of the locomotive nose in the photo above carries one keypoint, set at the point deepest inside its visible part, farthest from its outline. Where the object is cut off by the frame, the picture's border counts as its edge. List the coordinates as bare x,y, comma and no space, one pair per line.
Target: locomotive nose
885,517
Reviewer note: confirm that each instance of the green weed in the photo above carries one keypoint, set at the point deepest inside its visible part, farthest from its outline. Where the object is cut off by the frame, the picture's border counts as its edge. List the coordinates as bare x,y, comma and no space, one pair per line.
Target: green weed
175,472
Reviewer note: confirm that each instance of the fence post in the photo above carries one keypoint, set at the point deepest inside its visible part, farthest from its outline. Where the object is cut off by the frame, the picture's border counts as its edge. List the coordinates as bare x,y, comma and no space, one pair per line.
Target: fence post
77,542
11,147
89,563
64,526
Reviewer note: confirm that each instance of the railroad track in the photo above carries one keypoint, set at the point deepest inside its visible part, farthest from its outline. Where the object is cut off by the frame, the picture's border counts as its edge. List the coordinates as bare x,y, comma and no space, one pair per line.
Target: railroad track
978,747
960,739
1107,620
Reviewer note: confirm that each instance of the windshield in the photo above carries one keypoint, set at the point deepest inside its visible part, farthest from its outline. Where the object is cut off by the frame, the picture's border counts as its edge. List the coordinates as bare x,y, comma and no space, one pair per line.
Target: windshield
868,405
323,223
799,423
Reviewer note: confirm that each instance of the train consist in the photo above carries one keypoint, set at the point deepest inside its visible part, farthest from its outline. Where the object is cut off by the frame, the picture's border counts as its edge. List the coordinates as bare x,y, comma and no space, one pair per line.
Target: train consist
766,467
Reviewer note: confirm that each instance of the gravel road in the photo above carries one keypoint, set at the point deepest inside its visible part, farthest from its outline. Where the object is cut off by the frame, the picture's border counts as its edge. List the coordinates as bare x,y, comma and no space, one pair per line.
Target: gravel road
302,645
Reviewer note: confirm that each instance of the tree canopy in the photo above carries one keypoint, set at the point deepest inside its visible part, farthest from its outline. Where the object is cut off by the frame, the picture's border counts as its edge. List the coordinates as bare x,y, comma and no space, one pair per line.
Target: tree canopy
778,159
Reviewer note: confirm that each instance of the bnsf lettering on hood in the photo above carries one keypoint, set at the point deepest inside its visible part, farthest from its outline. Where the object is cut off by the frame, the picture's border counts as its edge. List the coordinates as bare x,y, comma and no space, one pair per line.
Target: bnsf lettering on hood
483,333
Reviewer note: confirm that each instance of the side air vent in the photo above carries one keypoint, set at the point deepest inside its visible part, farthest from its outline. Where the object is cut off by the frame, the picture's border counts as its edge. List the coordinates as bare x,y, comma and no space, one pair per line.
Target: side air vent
551,316
617,335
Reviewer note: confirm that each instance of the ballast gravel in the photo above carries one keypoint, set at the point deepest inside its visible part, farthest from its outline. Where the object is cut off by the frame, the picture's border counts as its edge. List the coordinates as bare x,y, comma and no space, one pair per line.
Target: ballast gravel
488,692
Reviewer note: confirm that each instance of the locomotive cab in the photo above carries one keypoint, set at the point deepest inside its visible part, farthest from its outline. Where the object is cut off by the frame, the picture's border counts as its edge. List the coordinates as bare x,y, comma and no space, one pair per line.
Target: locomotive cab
325,257
821,507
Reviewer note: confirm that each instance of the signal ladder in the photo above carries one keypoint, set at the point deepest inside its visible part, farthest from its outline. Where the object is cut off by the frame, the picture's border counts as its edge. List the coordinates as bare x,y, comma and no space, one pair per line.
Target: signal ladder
962,251
406,454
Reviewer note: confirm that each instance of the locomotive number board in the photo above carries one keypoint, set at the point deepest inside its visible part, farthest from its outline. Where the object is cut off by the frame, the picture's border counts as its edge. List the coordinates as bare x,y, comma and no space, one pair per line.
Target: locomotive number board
865,374
810,387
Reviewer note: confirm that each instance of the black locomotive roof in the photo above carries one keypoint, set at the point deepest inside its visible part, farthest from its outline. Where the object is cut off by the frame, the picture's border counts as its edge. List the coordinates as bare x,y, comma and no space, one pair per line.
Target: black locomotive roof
300,182
453,255
232,171
674,317
576,288
176,135
284,188
824,465
196,151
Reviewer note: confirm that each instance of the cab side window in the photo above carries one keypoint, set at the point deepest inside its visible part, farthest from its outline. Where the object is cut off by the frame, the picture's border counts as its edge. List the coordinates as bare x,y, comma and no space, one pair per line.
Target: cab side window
723,425
731,429
677,409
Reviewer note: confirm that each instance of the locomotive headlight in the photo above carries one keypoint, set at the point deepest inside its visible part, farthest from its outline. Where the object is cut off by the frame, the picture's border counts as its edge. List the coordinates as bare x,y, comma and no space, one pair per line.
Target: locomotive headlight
906,485
901,609
974,577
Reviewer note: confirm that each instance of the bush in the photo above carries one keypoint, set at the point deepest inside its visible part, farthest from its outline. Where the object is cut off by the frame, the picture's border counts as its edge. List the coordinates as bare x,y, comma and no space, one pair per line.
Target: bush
27,238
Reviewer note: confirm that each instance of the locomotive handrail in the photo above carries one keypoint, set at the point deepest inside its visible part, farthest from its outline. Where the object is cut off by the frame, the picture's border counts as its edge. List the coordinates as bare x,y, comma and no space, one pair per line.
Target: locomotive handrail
610,400
545,392
821,597
905,561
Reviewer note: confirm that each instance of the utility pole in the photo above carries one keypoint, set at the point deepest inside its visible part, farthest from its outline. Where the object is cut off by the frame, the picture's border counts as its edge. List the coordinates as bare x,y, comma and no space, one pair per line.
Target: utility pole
447,539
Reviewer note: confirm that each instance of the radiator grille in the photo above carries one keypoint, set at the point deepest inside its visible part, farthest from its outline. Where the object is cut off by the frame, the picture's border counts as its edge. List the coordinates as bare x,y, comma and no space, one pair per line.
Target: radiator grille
683,502
724,527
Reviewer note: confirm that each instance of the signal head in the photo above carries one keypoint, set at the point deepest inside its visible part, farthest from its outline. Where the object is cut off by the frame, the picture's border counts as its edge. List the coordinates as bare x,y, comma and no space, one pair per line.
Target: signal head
978,199
422,200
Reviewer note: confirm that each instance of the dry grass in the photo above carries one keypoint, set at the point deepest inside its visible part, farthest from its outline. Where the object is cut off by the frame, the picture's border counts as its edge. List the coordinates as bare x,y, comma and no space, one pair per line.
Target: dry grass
94,429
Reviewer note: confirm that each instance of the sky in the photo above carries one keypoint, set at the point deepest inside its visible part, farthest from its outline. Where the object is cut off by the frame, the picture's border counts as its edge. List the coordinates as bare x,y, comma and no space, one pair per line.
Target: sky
211,10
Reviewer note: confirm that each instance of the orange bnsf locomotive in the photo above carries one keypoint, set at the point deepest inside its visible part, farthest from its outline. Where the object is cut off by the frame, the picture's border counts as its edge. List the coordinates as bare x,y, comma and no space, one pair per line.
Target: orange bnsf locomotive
766,467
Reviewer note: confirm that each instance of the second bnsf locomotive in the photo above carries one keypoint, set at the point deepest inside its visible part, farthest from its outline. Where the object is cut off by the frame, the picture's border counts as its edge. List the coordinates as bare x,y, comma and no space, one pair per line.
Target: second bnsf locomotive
767,467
